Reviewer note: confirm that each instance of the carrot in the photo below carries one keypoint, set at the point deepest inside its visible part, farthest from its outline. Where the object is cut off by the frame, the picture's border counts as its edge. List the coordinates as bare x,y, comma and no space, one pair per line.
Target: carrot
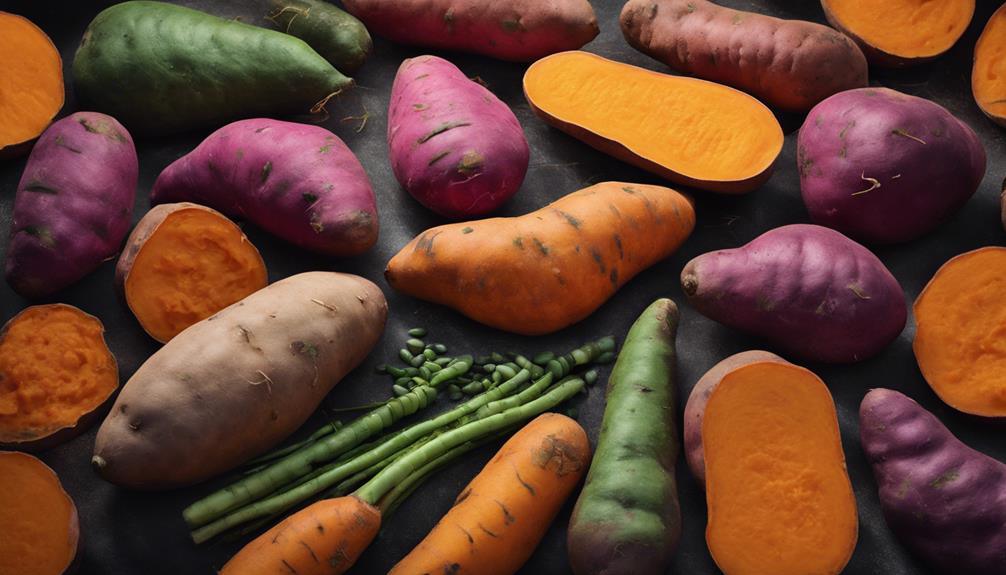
32,83
183,263
38,520
548,269
499,518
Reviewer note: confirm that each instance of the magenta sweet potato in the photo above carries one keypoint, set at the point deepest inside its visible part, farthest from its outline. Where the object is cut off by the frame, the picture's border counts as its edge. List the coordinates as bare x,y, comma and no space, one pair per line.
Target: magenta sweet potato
788,64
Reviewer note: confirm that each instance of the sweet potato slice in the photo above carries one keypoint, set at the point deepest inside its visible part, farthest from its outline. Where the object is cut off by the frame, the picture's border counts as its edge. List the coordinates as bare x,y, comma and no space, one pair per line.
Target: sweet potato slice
31,83
183,263
896,33
778,494
960,338
690,131
988,77
55,374
38,519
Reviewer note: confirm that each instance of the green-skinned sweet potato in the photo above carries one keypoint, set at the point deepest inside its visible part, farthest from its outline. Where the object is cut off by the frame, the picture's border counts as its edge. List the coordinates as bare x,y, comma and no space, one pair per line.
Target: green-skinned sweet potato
336,35
161,68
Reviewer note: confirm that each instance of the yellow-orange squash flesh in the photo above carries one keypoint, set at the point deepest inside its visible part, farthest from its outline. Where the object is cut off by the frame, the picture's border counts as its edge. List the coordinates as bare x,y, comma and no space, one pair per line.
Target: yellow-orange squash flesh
778,494
55,371
31,83
690,131
184,263
39,529
896,33
960,334
988,78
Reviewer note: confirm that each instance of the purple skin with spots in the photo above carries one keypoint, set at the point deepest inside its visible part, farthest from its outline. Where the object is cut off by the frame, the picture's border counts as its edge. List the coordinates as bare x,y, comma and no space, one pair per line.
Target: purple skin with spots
298,182
73,205
945,501
454,146
807,289
885,167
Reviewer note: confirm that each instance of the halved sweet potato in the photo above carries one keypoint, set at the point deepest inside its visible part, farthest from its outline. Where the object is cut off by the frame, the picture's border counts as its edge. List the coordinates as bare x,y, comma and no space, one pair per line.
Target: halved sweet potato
183,263
777,490
38,520
897,33
960,338
690,131
56,372
988,77
32,83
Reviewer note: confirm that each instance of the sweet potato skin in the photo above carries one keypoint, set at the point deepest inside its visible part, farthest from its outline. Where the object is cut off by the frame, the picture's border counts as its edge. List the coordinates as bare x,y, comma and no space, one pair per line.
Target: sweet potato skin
454,146
809,290
298,182
885,167
74,203
588,243
943,500
518,30
788,64
194,410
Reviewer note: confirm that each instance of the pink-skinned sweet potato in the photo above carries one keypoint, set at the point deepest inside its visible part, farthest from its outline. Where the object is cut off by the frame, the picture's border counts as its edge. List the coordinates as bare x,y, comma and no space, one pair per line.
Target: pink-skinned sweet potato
807,289
885,167
73,205
518,30
789,64
454,146
699,397
298,182
944,501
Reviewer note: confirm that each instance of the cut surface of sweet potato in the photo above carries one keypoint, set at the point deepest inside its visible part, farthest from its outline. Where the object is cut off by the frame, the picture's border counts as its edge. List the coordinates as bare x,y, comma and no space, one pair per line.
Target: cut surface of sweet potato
988,77
31,85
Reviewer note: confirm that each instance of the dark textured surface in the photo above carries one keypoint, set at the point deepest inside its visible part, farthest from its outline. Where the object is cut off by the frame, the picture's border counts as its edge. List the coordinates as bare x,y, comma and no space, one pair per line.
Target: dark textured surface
142,533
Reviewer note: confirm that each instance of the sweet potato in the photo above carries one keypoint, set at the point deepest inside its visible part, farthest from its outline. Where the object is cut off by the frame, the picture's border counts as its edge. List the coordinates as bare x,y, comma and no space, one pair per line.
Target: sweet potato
298,182
627,519
233,385
885,167
777,491
692,132
499,518
548,269
988,76
517,30
808,290
73,205
897,33
454,146
183,263
335,35
41,531
33,83
162,68
56,372
943,500
699,397
788,64
959,319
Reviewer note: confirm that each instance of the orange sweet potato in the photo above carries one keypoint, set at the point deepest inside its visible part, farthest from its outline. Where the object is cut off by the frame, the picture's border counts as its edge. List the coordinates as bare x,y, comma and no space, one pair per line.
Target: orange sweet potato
988,77
31,83
548,269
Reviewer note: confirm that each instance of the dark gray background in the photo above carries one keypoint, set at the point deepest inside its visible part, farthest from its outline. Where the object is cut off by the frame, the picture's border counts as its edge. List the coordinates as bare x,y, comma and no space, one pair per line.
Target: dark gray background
128,533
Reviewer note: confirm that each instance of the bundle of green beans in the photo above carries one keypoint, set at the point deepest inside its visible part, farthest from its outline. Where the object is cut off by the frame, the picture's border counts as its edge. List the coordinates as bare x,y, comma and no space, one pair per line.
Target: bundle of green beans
337,457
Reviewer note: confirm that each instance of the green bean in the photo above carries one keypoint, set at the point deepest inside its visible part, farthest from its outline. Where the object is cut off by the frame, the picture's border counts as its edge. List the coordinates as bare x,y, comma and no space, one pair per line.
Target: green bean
415,345
417,332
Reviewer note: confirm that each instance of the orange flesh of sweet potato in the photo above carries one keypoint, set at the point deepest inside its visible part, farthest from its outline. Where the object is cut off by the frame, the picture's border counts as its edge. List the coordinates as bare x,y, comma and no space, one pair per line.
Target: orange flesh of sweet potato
988,78
960,336
193,264
31,85
54,370
39,530
897,32
689,131
778,494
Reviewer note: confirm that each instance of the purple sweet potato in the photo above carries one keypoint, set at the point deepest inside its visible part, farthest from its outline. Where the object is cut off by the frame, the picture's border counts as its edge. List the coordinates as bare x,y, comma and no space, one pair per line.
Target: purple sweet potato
699,397
885,167
808,290
517,30
73,205
943,500
454,146
298,182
